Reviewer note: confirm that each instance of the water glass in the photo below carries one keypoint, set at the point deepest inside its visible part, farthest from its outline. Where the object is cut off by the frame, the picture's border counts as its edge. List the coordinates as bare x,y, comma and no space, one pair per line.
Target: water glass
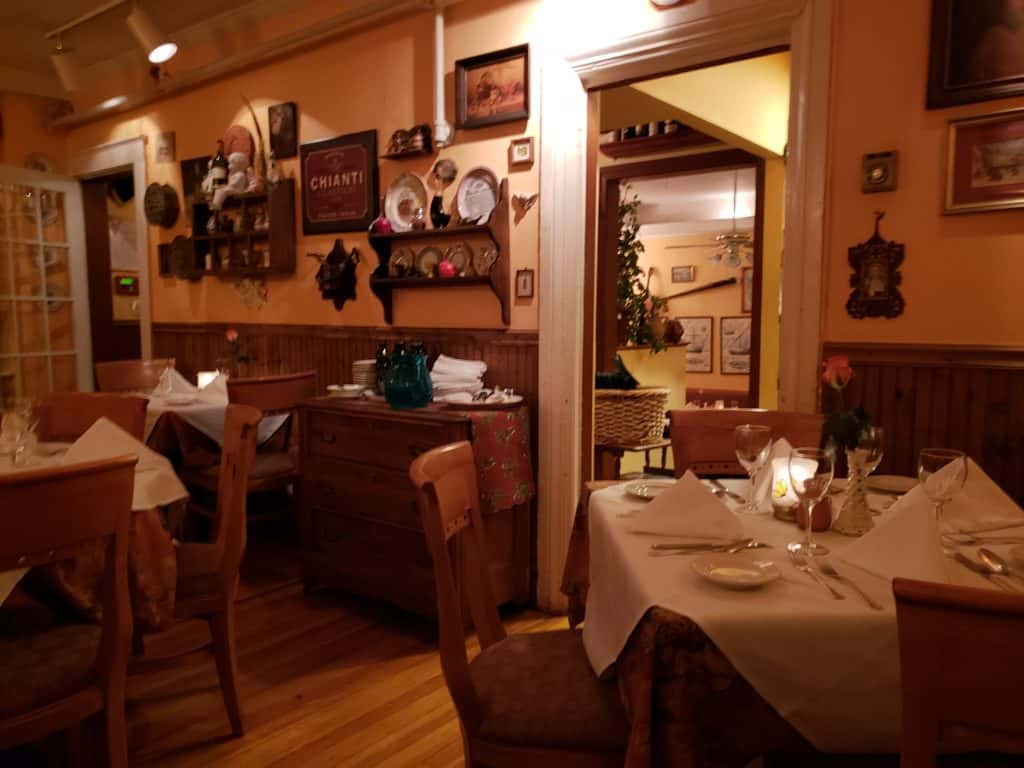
810,474
753,443
871,448
942,473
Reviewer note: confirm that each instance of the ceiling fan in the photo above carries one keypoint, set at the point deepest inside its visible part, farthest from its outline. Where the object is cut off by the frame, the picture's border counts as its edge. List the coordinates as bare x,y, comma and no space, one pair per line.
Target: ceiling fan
730,247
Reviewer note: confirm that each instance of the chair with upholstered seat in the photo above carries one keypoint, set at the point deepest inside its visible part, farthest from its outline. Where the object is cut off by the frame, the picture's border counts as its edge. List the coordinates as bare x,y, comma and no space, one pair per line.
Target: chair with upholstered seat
65,416
56,677
130,375
703,440
961,671
525,700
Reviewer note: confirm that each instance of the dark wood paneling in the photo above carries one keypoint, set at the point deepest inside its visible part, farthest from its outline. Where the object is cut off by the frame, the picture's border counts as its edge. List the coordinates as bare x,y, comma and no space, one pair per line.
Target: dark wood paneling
969,398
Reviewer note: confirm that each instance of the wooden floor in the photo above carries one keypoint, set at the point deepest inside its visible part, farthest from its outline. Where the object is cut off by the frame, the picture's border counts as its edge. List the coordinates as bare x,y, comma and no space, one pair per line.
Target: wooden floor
327,680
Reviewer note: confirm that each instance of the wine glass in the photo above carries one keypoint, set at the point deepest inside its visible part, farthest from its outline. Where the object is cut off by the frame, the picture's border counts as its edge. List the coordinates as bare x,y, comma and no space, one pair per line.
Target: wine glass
753,441
941,472
871,447
810,474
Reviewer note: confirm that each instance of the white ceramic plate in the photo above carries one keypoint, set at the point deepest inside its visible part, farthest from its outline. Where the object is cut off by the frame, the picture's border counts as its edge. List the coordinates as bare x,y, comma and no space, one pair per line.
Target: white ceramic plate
740,570
898,484
477,195
403,197
648,489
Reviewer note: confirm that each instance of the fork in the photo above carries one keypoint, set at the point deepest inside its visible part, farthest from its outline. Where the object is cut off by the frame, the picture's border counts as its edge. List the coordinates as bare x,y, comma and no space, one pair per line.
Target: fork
801,564
829,570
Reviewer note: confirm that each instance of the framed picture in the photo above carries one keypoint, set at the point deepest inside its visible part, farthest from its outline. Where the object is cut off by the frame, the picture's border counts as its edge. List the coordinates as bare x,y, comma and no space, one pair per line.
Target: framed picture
284,135
747,285
193,171
975,52
165,147
985,164
687,274
735,345
524,284
493,88
339,183
698,336
520,153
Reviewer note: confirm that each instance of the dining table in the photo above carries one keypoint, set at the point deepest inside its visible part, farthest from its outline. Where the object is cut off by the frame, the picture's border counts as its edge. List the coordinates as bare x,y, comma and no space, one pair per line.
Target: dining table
158,496
711,676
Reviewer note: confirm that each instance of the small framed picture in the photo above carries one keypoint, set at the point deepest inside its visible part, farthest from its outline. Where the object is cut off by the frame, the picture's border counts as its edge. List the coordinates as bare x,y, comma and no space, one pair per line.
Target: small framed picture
700,341
524,284
735,345
984,167
687,274
284,138
165,147
193,171
747,285
520,153
493,88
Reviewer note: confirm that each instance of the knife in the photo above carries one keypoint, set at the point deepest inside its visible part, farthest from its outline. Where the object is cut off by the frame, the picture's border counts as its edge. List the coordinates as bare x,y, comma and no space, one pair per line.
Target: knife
725,491
965,561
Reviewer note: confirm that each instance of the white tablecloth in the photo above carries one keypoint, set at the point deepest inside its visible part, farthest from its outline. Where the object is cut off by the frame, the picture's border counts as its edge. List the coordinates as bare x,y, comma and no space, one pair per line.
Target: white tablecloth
829,667
206,413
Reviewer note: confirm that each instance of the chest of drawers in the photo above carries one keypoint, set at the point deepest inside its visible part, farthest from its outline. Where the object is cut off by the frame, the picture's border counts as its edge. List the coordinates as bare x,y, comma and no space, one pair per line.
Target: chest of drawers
360,527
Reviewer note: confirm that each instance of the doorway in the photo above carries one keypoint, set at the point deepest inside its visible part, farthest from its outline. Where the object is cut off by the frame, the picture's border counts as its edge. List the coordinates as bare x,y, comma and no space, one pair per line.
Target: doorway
114,264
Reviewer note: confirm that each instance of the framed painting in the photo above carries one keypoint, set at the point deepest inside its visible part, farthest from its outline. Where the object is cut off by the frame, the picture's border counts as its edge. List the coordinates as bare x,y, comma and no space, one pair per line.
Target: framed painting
985,163
698,336
284,135
977,51
735,345
339,183
686,274
493,88
193,171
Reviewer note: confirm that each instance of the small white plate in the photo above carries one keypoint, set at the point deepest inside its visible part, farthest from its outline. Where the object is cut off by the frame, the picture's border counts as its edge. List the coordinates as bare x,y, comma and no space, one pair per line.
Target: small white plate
898,484
740,570
345,390
404,196
648,489
181,399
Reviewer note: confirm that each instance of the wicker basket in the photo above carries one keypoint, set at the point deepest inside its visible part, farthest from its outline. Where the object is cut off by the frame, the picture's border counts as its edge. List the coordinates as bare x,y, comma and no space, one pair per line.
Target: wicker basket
630,416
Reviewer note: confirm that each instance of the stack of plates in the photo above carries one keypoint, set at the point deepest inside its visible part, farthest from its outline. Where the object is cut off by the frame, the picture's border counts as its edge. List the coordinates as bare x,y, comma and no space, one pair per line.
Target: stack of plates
364,373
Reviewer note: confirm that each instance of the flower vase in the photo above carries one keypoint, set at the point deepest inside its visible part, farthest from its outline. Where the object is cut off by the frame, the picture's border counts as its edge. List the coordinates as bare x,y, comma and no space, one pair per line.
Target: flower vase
855,518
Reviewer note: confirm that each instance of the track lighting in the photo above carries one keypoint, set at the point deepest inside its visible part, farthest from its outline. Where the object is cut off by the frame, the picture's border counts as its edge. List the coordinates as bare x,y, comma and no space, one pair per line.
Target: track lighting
156,44
69,70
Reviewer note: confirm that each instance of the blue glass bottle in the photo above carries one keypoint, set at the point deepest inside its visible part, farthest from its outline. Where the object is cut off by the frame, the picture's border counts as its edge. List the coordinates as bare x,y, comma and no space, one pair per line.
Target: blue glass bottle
407,384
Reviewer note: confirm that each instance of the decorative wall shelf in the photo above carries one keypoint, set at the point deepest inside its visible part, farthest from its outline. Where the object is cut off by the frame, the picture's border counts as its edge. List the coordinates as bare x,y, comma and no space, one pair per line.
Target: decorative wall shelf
407,155
227,250
651,145
496,230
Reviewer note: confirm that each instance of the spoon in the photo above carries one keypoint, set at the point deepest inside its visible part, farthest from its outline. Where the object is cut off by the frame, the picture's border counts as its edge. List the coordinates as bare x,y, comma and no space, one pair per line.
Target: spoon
982,568
997,564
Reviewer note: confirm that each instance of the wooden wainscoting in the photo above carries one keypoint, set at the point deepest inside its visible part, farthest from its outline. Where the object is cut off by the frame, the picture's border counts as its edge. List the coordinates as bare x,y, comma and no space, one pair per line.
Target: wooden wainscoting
969,398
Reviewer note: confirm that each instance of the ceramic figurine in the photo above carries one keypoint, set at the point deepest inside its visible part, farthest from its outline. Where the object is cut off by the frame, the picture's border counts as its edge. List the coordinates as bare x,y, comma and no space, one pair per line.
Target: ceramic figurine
273,171
238,180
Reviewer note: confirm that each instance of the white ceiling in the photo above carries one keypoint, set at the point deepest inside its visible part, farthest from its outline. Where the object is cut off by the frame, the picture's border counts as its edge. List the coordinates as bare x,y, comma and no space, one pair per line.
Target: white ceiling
693,203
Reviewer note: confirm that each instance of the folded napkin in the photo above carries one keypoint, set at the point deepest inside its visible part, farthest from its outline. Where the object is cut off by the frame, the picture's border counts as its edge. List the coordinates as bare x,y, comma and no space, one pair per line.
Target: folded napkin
980,506
155,481
688,509
905,545
218,385
465,368
442,388
173,383
762,491
449,378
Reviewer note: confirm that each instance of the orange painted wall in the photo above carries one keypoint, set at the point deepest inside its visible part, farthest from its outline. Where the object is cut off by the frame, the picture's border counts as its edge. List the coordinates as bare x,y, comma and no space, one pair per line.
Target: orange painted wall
26,131
380,78
963,274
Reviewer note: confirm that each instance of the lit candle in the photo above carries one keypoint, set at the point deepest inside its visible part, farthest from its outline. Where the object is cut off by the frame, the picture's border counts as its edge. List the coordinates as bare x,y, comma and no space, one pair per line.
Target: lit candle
205,377
784,500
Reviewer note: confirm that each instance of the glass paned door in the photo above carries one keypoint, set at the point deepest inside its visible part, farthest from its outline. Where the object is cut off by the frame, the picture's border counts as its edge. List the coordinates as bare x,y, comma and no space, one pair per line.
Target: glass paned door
43,313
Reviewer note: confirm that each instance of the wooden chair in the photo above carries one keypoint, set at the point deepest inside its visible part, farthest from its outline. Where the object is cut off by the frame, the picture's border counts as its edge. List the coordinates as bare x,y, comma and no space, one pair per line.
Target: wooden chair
962,676
529,699
130,375
54,678
208,571
275,467
65,416
703,441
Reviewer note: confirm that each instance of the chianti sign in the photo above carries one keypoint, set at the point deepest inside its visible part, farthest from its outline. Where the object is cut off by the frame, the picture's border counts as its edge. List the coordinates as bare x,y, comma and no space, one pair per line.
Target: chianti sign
339,183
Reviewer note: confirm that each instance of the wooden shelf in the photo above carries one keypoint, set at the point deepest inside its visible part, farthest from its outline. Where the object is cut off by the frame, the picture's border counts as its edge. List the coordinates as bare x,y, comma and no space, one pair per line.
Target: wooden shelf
651,145
496,230
408,155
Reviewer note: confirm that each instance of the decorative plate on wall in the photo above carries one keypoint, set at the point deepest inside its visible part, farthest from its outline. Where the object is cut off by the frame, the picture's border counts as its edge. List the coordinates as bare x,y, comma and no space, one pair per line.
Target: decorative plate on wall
477,196
161,205
461,257
405,195
427,261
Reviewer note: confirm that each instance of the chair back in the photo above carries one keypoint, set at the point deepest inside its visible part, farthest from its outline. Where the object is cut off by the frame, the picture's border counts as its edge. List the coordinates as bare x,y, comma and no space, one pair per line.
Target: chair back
275,394
449,503
703,440
240,427
65,416
130,375
960,669
47,515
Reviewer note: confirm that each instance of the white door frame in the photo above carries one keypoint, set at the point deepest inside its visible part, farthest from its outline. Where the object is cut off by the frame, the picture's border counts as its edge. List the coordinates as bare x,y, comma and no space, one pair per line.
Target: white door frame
117,156
686,37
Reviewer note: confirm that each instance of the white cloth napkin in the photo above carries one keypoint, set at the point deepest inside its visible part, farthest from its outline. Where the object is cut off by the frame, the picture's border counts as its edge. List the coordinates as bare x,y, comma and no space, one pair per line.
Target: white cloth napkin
981,505
218,385
688,509
448,388
905,546
762,491
155,481
464,368
173,383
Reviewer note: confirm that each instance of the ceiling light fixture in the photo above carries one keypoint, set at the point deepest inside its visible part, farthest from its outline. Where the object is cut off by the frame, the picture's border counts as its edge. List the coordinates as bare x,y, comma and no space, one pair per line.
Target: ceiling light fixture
156,44
69,69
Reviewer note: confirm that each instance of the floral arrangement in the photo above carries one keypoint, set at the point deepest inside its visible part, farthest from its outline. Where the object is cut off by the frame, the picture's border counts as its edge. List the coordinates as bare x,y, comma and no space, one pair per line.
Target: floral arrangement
235,348
843,427
640,311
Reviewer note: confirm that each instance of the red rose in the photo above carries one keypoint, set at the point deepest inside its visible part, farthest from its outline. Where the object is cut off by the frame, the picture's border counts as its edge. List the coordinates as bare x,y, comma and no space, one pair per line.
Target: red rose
837,371
231,335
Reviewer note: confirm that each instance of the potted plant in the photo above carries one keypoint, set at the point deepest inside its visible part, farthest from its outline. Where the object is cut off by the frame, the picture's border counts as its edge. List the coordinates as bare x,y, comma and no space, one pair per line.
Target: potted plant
640,312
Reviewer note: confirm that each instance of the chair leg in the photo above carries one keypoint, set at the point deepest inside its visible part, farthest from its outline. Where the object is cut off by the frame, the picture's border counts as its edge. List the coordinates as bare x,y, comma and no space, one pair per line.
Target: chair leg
222,630
117,735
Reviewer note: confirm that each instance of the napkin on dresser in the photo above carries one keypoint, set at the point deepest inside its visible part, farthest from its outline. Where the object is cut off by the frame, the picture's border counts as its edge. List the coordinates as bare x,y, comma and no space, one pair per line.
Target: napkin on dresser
155,481
688,509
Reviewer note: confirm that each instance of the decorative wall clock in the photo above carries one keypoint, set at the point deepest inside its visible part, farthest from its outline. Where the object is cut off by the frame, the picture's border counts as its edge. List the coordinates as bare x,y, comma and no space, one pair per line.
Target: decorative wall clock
876,277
